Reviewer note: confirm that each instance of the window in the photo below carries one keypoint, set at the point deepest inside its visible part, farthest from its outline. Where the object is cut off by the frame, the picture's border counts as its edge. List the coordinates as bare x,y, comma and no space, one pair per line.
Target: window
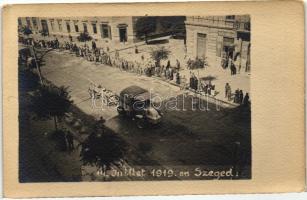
247,26
34,21
105,31
94,28
76,27
228,41
84,27
230,17
52,25
68,27
60,25
19,22
122,28
28,22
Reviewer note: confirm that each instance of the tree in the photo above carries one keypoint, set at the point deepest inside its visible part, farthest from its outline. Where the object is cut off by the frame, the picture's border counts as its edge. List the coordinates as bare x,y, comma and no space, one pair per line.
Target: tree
28,81
51,102
159,54
84,37
144,26
103,149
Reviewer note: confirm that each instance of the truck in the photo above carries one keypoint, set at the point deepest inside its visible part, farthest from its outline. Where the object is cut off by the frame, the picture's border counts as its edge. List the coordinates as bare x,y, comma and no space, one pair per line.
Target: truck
134,102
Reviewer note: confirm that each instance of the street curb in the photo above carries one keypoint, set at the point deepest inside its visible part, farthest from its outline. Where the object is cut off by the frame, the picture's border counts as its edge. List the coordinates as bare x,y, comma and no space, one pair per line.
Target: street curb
231,105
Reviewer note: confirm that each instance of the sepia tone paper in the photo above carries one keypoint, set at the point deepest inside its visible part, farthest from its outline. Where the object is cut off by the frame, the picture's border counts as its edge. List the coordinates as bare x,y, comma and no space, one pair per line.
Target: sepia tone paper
277,91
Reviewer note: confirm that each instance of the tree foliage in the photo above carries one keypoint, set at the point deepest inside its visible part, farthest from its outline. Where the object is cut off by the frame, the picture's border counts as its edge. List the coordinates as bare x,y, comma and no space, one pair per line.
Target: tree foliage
198,63
84,37
28,80
103,149
160,54
51,102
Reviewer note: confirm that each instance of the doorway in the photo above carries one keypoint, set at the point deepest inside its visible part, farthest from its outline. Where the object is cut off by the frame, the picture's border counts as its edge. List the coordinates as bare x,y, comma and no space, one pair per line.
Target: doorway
228,47
123,34
201,45
45,27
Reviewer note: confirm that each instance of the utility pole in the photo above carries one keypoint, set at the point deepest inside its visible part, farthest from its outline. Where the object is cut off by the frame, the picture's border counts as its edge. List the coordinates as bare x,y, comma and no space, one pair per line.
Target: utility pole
36,63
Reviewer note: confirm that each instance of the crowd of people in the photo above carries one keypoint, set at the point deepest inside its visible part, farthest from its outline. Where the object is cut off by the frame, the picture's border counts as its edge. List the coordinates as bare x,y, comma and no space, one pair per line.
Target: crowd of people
205,87
238,98
231,63
167,72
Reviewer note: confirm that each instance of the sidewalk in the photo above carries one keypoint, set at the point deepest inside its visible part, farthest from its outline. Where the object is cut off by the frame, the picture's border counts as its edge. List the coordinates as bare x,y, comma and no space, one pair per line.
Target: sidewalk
220,77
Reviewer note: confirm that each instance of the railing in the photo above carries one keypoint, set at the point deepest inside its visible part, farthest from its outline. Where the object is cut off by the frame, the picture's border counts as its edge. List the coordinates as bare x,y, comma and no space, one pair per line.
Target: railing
219,22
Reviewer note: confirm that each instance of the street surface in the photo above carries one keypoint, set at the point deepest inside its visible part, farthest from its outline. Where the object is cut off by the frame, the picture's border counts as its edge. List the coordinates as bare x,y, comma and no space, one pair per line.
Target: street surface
185,137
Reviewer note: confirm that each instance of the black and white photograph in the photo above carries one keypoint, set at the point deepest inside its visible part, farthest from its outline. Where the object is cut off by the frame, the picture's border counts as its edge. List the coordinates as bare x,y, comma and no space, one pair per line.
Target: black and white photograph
134,98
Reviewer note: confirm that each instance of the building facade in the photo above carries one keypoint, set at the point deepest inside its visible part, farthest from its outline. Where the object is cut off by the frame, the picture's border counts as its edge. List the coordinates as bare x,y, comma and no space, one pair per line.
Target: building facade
218,36
104,30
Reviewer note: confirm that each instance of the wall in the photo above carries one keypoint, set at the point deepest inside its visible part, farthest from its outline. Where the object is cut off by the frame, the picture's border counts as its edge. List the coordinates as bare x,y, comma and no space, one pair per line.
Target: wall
213,37
113,22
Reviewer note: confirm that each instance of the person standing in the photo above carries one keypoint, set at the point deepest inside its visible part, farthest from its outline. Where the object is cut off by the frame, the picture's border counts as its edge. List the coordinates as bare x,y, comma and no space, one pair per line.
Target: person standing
70,140
241,97
70,38
136,51
226,90
178,78
237,94
171,74
246,100
192,81
93,45
229,93
168,64
177,65
167,76
116,54
195,83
